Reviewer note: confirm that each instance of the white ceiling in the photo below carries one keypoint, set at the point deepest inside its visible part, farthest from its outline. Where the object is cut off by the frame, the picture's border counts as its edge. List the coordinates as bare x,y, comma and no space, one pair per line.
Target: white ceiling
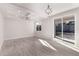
39,8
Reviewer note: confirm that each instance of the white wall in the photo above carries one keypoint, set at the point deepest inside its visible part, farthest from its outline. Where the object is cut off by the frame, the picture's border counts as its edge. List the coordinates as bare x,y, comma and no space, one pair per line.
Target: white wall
1,30
15,26
18,29
47,28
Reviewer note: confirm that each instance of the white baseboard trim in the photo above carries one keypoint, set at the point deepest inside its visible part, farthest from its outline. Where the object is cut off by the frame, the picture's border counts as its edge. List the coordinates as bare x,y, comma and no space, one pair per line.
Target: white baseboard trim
71,46
19,37
43,36
1,43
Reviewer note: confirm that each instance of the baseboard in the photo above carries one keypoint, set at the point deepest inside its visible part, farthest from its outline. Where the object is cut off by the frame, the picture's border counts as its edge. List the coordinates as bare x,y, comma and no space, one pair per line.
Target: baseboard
43,36
19,37
1,42
71,46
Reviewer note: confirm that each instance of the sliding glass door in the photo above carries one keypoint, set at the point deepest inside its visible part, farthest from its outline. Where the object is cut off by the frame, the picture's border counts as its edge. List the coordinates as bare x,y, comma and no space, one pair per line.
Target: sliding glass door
65,28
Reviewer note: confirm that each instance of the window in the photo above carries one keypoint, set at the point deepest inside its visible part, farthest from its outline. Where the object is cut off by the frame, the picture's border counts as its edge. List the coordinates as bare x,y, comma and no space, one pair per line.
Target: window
38,28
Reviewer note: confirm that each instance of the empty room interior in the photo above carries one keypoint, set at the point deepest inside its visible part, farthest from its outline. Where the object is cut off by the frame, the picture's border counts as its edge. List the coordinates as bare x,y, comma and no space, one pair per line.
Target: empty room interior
39,29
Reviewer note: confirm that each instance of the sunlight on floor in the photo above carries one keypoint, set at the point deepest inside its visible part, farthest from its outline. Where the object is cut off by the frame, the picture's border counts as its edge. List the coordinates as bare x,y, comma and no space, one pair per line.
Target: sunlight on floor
47,44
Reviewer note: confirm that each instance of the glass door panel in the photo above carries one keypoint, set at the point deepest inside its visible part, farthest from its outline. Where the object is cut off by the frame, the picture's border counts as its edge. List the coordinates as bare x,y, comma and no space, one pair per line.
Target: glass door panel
58,28
69,28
